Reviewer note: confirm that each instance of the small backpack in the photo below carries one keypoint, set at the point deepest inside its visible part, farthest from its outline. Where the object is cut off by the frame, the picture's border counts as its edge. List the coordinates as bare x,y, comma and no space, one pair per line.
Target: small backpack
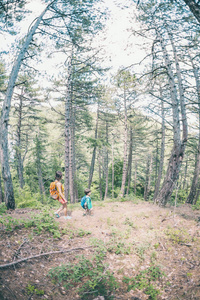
53,191
83,201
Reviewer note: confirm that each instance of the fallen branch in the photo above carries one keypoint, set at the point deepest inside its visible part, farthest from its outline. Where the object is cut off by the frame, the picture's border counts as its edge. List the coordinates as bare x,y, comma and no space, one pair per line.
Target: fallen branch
39,255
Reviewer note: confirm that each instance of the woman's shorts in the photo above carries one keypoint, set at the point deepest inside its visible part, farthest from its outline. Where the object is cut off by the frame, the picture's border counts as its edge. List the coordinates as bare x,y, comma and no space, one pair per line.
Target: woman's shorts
62,201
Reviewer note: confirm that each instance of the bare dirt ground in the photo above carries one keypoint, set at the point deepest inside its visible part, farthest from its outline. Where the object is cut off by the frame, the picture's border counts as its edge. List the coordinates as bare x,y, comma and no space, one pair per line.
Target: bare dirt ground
163,236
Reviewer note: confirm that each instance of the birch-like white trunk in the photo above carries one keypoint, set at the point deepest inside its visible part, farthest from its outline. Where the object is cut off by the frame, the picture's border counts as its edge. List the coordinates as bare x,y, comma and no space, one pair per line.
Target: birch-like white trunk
178,150
6,174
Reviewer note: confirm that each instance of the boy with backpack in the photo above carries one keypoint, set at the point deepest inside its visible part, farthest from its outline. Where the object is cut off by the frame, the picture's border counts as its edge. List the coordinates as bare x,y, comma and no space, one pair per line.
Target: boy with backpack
86,202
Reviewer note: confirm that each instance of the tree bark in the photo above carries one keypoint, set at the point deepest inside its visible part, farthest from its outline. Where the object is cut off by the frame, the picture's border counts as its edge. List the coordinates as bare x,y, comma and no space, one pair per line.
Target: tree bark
6,174
100,185
124,173
178,150
135,178
68,128
106,162
94,150
113,168
1,192
162,150
130,156
194,7
18,144
148,177
193,190
39,168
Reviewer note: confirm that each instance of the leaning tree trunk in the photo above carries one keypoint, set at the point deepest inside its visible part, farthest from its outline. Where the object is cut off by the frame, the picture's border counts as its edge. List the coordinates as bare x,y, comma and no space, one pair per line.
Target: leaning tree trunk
178,150
94,149
194,186
162,150
6,174
18,144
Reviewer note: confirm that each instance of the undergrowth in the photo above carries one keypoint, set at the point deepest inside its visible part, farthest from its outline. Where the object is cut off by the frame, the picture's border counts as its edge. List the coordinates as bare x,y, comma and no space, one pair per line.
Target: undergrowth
144,281
88,277
39,222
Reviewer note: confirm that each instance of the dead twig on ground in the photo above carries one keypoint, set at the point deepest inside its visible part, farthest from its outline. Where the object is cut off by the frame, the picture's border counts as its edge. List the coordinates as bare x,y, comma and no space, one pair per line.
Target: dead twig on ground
18,250
39,255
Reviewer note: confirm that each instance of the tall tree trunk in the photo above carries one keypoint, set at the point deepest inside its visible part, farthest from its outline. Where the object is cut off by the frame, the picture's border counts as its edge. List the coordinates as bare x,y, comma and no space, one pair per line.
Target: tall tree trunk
125,147
135,178
71,175
40,179
100,185
130,156
194,186
185,174
197,194
162,150
39,168
178,150
148,177
106,162
68,129
6,174
113,168
18,144
1,192
94,149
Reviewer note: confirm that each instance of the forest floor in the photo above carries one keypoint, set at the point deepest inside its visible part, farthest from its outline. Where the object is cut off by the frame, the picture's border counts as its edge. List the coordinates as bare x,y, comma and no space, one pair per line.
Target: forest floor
136,237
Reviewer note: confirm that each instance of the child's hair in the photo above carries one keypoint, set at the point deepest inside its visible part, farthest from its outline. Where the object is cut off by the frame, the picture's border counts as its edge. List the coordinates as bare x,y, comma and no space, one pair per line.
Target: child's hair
58,175
87,191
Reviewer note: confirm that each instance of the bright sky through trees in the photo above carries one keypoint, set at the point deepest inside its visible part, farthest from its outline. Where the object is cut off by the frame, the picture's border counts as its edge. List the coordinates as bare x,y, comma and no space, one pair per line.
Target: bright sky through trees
119,46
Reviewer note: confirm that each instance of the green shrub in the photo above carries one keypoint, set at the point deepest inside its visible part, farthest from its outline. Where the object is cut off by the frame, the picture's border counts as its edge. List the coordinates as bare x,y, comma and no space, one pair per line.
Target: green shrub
143,281
42,222
3,208
90,278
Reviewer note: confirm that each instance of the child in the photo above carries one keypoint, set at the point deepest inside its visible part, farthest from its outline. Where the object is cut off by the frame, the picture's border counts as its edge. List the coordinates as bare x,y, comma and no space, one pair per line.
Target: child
61,197
88,203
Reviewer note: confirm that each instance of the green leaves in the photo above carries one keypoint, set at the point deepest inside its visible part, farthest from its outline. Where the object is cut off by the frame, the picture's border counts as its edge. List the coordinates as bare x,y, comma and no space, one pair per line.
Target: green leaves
88,276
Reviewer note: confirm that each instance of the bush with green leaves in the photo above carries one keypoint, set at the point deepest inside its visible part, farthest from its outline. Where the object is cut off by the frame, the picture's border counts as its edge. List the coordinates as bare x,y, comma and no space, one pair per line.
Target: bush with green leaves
25,198
89,277
41,222
143,281
3,208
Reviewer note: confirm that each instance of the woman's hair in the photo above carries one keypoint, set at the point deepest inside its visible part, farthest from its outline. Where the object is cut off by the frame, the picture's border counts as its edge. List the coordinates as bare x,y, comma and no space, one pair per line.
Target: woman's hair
87,191
58,175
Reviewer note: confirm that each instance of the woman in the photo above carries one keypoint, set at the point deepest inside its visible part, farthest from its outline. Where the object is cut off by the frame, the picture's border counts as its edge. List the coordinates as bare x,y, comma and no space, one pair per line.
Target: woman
61,197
